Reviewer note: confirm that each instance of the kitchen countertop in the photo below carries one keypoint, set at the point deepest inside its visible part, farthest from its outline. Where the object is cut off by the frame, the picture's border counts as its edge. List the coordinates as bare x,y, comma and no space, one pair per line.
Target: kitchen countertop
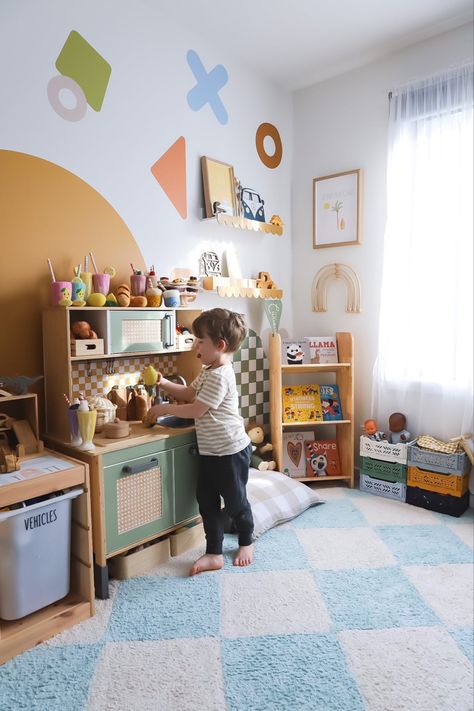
140,434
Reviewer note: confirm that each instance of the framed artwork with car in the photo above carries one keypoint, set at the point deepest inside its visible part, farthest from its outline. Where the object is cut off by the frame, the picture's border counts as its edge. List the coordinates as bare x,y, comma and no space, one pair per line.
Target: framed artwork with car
337,209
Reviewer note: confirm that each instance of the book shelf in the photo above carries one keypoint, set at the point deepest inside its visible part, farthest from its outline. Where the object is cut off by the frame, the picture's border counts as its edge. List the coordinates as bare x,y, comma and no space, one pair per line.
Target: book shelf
343,374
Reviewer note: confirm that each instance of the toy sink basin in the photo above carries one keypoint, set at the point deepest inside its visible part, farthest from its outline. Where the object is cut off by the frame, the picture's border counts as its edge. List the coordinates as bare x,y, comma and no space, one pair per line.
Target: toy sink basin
173,421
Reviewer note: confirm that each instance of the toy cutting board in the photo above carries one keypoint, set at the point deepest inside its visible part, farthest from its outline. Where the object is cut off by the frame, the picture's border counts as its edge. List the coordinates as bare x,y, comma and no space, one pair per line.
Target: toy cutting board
25,436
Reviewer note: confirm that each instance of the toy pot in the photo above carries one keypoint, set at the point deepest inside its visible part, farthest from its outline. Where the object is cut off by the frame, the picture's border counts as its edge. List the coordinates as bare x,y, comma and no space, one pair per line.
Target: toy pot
58,293
78,291
138,284
87,420
87,279
101,283
76,439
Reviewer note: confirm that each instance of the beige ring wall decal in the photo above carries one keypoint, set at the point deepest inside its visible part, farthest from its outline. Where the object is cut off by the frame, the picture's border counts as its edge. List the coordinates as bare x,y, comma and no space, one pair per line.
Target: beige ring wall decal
264,130
336,271
55,86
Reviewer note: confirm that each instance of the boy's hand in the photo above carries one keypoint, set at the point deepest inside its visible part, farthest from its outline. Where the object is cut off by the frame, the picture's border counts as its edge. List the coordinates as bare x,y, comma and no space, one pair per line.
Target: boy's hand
154,412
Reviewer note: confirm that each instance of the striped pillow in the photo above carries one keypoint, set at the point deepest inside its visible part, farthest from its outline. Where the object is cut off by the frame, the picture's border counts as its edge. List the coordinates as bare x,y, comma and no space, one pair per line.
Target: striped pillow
276,498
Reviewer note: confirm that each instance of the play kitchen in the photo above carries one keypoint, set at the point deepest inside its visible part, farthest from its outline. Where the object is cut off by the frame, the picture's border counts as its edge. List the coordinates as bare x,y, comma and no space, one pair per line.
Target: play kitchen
142,479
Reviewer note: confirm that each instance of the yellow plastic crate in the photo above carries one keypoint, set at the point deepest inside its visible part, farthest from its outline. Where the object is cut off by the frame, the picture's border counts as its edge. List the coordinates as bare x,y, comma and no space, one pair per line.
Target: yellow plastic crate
452,484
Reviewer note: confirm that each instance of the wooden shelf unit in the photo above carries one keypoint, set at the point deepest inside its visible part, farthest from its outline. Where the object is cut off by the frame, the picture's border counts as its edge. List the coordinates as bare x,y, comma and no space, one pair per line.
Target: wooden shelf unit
230,286
242,223
17,636
344,379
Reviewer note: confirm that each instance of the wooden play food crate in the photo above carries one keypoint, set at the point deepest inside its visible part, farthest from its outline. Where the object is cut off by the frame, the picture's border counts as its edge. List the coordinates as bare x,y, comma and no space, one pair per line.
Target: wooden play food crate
184,341
442,503
388,471
137,562
457,463
440,483
383,450
379,487
87,347
187,538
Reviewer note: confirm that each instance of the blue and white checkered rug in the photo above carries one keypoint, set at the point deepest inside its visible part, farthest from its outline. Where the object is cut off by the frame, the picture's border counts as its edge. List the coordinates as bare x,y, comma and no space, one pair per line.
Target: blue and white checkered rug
363,603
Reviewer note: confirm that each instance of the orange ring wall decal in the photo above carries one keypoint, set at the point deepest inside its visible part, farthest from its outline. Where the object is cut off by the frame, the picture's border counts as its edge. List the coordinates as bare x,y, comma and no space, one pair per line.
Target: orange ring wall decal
264,130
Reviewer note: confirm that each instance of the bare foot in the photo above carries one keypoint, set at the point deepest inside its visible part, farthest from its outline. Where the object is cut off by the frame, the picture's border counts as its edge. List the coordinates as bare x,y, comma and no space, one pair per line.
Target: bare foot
244,556
208,561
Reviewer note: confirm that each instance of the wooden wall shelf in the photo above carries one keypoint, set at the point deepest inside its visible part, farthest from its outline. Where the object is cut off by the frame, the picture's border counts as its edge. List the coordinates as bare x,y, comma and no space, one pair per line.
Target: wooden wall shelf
243,223
229,286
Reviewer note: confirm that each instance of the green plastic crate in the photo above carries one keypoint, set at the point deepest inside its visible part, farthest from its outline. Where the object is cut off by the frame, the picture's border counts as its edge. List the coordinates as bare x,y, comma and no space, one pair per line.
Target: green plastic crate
388,471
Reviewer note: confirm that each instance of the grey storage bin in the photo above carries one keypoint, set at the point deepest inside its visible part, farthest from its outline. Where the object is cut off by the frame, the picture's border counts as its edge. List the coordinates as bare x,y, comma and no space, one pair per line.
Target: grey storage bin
35,546
456,463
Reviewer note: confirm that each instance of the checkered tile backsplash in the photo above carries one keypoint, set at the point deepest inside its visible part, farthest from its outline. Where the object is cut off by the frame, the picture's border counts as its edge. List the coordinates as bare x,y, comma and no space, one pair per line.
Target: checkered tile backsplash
252,376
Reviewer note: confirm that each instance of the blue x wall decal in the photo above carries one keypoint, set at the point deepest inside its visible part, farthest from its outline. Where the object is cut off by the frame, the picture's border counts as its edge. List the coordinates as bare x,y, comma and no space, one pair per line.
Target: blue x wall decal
206,91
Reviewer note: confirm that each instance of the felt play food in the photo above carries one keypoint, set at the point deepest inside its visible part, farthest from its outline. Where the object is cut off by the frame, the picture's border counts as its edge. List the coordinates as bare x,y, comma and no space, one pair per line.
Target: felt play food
110,300
96,299
111,271
123,295
138,301
171,297
82,329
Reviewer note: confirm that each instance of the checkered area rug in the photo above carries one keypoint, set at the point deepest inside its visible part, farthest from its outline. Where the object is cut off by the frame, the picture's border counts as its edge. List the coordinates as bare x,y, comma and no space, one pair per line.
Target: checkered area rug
361,603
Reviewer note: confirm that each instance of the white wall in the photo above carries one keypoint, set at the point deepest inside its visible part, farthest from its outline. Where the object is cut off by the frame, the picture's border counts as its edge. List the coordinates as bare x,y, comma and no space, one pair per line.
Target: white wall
144,112
341,124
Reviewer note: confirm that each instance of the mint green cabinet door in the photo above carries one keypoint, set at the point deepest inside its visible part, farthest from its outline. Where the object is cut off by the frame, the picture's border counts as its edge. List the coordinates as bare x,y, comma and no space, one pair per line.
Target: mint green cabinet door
185,464
138,497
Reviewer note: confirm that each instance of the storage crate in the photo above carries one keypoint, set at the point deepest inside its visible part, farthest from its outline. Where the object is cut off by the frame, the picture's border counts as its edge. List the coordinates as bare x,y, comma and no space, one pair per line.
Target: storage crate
388,471
389,490
187,538
441,483
457,463
442,503
87,346
35,545
383,450
137,562
184,341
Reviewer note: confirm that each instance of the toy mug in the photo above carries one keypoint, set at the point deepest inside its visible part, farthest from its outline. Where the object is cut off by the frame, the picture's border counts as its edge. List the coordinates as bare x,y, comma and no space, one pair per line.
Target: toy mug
101,283
87,279
61,292
78,290
138,284
171,297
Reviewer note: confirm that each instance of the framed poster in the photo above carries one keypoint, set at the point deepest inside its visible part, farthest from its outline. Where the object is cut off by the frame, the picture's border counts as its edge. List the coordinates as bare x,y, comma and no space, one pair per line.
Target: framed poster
219,186
337,209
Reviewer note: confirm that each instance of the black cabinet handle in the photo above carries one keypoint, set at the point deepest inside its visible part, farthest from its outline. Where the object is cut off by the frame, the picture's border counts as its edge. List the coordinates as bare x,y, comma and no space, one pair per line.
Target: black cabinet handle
135,469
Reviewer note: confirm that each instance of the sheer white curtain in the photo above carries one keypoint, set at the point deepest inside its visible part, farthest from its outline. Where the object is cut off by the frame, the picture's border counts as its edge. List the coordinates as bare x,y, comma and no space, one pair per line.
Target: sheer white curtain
425,358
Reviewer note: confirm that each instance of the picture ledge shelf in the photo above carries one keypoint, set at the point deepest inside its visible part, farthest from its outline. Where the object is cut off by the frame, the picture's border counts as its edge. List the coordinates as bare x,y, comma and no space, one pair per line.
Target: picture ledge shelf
244,224
229,286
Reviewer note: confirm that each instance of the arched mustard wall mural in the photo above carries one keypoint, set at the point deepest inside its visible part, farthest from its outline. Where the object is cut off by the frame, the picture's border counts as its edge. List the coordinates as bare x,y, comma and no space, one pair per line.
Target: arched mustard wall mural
336,271
82,71
46,211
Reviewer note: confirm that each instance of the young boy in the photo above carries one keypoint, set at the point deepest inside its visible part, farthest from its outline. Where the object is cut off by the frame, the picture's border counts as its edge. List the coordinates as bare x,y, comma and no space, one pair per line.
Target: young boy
224,446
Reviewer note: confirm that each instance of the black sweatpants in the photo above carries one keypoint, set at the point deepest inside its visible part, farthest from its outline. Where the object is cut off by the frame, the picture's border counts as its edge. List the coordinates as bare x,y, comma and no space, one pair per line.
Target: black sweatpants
224,476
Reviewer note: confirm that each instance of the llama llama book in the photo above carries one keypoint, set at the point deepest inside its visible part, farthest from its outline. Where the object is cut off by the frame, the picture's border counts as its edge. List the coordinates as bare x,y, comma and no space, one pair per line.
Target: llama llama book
330,402
294,457
322,349
302,403
322,458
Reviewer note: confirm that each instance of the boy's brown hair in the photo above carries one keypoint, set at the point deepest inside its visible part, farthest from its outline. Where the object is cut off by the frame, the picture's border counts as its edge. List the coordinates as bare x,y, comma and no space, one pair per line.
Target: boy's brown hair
221,324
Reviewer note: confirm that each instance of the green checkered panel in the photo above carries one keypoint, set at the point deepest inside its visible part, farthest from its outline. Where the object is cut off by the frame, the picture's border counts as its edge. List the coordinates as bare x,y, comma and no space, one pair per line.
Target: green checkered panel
252,377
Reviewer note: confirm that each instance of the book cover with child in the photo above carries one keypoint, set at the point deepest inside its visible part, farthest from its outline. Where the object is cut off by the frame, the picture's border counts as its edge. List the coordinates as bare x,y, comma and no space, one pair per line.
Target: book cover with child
322,458
330,402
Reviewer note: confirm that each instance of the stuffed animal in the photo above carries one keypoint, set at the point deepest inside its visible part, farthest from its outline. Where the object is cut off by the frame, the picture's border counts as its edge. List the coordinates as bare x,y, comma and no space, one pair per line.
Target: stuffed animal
82,329
260,458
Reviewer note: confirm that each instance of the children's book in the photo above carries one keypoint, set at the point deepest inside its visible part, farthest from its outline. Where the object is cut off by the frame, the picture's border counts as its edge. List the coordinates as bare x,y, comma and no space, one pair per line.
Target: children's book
323,349
322,458
330,402
295,352
302,403
294,457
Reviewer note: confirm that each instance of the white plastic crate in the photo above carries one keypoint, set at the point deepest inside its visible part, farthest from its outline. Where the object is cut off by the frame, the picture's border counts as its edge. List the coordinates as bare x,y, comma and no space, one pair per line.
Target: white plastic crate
383,450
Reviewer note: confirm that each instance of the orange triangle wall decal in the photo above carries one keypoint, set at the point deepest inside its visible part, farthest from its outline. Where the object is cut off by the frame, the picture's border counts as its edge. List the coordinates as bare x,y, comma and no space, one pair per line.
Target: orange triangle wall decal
170,172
